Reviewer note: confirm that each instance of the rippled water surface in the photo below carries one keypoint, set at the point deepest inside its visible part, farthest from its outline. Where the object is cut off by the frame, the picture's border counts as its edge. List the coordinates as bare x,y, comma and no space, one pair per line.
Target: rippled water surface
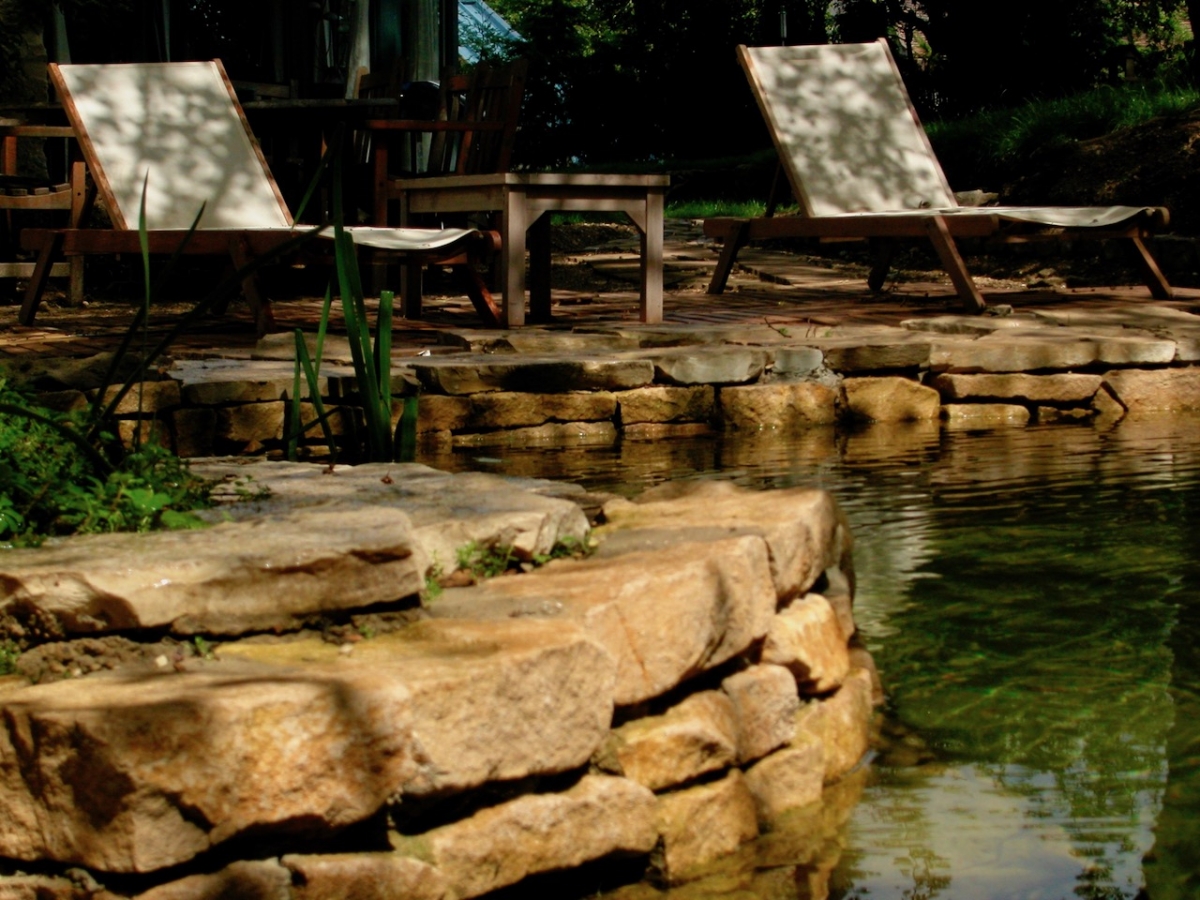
1032,599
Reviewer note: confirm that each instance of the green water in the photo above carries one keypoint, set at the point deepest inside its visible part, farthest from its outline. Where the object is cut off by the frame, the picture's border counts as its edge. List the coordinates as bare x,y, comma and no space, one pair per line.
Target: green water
1032,599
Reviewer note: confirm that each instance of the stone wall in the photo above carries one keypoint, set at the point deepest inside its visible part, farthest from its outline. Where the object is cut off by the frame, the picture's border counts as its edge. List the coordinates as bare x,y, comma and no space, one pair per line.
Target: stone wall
641,383
292,704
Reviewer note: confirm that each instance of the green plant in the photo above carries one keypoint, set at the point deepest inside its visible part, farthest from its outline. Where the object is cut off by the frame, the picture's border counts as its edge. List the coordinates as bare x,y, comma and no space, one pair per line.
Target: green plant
433,582
9,653
484,561
204,649
567,547
65,473
371,356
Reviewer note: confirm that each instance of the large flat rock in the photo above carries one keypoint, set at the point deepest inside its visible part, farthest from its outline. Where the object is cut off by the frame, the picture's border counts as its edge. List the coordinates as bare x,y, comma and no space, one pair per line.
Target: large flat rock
268,573
499,846
447,511
665,615
476,373
805,530
141,770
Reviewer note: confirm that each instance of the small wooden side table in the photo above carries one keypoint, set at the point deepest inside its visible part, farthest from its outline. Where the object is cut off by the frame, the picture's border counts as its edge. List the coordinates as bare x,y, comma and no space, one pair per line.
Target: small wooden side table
524,198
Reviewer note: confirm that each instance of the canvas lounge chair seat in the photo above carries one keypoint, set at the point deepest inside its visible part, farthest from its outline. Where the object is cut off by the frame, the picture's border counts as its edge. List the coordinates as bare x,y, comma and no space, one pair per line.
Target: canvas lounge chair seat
861,166
177,132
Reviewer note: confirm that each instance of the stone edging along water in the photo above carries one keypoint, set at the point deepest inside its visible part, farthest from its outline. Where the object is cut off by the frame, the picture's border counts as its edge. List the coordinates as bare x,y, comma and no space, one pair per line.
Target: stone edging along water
270,708
595,386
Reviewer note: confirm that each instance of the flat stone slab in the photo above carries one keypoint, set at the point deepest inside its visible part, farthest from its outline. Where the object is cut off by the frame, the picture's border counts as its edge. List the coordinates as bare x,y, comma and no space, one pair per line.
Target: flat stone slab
665,616
140,770
209,382
1037,349
1064,387
447,511
267,573
476,373
805,530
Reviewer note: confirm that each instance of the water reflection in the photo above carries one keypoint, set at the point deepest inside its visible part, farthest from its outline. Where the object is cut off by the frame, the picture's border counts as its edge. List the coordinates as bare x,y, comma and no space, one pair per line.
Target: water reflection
1032,597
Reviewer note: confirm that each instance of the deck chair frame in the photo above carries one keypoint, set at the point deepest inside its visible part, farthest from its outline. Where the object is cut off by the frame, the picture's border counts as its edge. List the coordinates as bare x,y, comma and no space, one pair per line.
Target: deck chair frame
942,224
241,245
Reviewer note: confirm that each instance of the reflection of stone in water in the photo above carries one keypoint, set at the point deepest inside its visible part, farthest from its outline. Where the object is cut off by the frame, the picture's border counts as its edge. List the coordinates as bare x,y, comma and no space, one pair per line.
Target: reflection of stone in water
891,441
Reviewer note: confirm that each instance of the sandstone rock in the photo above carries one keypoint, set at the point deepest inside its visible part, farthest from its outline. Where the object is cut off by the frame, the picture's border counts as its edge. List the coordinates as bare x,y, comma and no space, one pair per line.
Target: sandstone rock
1108,409
664,616
364,876
795,362
139,771
243,880
841,723
890,399
260,574
1058,388
703,823
805,530
487,700
808,641
666,404
1034,349
447,511
893,350
194,429
501,409
765,704
144,397
592,434
984,415
698,735
48,887
809,835
779,405
724,365
788,779
501,845
248,422
475,374
215,382
1144,390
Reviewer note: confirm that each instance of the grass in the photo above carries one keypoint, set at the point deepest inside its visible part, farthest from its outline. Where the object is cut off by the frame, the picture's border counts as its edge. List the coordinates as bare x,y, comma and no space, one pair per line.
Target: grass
997,141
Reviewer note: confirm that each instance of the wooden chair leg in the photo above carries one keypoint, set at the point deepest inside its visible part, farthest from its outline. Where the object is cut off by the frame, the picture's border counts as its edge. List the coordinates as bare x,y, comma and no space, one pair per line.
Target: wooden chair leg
1152,275
734,241
41,274
885,251
481,296
410,287
260,306
952,262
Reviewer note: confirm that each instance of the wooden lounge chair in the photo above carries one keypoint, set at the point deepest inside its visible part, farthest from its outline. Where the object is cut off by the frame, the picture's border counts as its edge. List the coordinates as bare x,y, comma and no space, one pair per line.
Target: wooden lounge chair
177,131
861,166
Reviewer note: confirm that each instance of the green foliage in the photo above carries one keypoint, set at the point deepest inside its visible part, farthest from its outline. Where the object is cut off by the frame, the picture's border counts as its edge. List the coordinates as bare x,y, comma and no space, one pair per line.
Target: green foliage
433,582
371,356
203,648
54,486
484,561
9,653
996,144
567,547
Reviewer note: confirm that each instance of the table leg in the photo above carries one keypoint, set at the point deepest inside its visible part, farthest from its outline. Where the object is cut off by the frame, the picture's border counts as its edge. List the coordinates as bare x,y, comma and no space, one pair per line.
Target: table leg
652,260
512,271
539,269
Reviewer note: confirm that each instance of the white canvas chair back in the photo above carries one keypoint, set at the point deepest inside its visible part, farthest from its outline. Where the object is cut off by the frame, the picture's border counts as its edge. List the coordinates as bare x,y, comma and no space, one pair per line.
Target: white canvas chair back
178,124
847,134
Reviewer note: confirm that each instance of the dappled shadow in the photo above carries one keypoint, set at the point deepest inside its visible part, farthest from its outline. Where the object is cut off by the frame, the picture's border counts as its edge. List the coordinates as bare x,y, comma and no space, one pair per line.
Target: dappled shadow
175,125
847,135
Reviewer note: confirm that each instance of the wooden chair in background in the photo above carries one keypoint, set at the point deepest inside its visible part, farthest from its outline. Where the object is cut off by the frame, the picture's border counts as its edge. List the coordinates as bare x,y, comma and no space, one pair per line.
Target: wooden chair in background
20,195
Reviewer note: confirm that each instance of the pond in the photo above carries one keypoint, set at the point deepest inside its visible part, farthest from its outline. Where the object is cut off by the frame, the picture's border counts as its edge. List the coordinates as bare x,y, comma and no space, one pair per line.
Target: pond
1032,599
